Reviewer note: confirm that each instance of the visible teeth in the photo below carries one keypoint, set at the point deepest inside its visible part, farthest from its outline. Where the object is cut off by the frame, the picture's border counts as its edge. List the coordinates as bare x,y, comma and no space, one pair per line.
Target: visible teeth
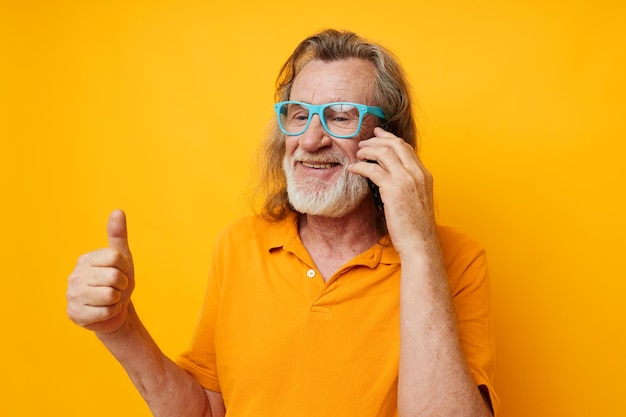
318,165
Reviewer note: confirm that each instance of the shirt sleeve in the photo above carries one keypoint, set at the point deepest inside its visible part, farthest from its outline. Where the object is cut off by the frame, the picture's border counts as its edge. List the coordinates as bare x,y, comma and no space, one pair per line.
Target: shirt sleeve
470,287
199,359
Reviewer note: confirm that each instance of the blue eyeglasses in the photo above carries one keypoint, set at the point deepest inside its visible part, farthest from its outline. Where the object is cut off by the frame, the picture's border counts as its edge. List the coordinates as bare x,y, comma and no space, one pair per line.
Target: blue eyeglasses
340,119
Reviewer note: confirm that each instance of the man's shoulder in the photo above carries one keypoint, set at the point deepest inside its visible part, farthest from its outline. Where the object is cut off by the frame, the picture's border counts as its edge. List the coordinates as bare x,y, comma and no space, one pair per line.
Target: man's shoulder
255,227
244,227
455,242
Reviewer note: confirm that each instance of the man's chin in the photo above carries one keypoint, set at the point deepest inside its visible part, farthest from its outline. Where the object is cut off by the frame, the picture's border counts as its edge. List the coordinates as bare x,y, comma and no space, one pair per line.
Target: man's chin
328,198
326,203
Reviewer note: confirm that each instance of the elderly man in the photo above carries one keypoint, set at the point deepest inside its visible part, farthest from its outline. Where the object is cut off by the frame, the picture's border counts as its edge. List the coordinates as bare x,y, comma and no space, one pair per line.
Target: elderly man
342,296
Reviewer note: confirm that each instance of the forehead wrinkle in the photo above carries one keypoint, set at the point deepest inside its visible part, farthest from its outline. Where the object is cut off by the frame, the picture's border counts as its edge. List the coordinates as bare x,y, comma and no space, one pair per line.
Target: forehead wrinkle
322,82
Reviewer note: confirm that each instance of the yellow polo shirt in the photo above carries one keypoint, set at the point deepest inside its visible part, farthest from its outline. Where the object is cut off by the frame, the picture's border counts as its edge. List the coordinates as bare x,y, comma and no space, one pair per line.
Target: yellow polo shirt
276,340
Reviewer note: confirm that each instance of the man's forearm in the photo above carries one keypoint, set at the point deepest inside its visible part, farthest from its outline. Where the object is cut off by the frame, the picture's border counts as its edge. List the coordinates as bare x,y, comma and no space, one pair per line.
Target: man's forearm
433,378
167,389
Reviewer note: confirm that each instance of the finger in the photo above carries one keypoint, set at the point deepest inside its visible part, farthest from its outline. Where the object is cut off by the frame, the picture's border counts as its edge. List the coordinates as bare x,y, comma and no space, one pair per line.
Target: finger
104,258
97,277
81,282
101,296
107,277
81,297
373,171
379,132
118,233
390,152
87,316
384,155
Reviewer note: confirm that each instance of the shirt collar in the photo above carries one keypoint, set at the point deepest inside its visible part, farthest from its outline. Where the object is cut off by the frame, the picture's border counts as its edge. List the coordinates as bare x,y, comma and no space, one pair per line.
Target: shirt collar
284,235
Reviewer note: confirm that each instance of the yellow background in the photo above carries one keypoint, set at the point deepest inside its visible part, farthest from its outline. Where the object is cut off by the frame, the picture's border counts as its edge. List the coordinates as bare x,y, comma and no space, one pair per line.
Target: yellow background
157,106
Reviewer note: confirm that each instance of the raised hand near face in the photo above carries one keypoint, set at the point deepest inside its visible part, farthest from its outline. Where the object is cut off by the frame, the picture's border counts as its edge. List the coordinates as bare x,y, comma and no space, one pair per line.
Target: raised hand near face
405,186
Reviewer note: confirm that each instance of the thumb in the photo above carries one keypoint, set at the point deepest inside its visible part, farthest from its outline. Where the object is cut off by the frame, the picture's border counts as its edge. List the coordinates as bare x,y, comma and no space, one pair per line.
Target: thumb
117,233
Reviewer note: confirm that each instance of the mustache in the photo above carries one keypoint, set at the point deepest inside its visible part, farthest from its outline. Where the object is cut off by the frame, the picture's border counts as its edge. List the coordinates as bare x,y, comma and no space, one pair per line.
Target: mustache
326,156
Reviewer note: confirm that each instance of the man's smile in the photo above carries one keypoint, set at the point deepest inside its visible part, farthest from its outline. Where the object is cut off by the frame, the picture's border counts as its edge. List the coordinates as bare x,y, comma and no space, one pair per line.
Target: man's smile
319,165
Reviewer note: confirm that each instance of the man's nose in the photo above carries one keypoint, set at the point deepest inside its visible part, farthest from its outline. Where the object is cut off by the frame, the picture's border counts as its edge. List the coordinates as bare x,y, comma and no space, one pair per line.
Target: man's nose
315,137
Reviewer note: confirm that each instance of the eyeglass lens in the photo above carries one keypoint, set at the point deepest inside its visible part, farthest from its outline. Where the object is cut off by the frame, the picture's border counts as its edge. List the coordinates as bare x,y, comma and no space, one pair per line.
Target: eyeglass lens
340,119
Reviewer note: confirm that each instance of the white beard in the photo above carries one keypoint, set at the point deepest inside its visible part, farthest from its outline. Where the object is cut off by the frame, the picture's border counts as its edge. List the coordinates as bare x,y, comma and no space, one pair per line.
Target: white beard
311,196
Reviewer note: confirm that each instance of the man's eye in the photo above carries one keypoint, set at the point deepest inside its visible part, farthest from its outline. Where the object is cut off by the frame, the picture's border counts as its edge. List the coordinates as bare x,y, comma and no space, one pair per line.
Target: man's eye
298,115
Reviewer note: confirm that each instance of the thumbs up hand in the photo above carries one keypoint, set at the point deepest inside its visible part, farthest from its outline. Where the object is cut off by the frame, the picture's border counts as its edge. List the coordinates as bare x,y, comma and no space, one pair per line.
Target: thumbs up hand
99,288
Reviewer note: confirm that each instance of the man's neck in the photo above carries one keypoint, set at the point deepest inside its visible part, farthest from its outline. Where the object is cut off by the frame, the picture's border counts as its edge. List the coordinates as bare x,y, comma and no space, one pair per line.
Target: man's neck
332,242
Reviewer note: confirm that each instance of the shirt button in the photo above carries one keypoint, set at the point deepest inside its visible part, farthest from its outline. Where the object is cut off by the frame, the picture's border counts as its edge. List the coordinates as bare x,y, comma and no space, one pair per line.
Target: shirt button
310,273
